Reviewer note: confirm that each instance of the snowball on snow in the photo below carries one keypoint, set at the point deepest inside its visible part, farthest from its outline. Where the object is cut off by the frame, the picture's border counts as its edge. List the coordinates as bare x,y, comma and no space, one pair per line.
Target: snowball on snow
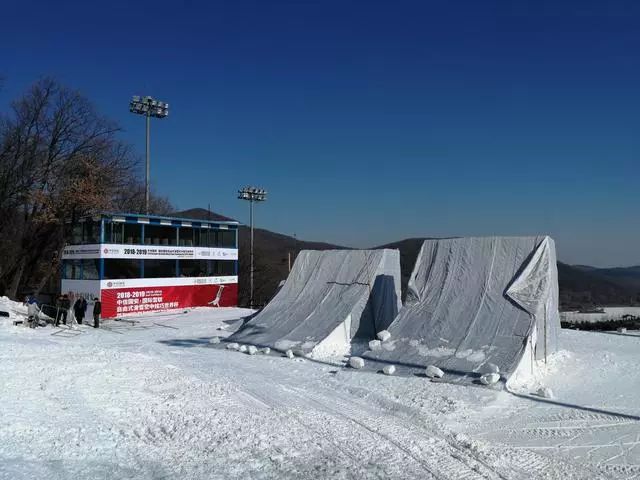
243,348
214,340
289,353
266,350
384,335
489,368
434,372
252,350
545,392
233,346
374,344
356,362
490,378
389,370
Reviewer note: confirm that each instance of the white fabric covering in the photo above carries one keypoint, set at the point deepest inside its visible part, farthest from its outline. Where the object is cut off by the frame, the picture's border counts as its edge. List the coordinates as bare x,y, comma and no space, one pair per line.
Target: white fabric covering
471,301
323,290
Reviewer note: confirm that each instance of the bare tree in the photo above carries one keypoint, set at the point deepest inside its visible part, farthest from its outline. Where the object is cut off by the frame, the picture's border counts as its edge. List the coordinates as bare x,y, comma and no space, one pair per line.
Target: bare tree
59,159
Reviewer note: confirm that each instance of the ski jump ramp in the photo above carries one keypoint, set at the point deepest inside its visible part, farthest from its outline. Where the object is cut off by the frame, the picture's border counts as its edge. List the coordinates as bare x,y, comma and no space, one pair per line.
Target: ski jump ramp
329,297
473,301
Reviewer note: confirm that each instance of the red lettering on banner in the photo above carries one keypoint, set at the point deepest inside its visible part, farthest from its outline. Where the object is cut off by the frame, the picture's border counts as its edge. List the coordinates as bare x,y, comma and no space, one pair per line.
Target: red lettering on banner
127,301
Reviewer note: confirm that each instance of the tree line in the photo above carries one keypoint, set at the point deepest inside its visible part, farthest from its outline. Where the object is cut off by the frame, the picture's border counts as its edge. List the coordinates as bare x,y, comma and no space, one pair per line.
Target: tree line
60,159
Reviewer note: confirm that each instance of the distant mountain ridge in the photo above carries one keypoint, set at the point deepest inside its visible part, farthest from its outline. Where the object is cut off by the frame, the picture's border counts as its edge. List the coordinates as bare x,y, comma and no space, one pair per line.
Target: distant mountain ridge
580,285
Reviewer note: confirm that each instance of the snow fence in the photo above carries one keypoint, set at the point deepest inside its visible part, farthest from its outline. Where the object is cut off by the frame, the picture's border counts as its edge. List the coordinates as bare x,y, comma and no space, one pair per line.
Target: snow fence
329,297
471,301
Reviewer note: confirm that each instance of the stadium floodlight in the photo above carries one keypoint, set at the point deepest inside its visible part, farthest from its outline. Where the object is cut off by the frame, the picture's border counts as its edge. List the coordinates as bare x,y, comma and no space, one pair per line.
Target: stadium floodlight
148,107
252,194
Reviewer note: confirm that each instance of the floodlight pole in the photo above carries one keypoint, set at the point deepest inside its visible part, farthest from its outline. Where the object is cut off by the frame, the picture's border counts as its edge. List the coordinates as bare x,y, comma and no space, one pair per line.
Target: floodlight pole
251,194
147,180
251,274
148,107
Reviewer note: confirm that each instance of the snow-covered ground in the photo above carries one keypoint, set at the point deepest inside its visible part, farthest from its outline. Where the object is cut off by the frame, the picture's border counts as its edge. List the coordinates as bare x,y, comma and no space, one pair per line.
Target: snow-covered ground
158,400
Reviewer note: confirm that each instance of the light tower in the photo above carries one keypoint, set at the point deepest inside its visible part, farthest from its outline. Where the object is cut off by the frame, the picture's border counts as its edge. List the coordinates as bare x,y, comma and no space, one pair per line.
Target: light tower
252,194
148,107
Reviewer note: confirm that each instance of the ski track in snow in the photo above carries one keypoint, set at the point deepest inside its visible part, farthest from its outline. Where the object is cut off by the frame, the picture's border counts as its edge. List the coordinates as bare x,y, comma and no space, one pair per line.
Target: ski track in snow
153,402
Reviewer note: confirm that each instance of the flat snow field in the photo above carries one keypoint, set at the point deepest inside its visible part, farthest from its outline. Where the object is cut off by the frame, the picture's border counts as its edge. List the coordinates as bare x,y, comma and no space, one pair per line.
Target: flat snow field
157,400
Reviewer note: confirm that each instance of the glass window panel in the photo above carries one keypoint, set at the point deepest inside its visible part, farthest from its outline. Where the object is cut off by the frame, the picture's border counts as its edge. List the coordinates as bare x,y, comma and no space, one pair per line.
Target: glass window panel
159,268
212,239
193,268
223,267
226,238
113,232
71,270
91,269
132,233
199,237
160,235
118,268
185,238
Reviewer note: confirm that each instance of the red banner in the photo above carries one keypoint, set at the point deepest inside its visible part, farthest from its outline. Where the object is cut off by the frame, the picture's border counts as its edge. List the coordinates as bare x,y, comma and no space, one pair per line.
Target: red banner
130,301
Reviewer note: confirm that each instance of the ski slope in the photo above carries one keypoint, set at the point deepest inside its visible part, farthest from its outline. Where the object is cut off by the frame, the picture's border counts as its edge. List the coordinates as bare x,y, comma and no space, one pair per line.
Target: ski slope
158,400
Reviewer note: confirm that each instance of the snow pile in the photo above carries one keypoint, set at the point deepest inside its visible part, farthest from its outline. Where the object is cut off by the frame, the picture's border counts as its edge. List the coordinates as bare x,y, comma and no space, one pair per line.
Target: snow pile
16,311
242,349
266,350
289,353
384,335
374,344
233,346
356,362
389,370
434,372
214,340
545,392
490,378
252,349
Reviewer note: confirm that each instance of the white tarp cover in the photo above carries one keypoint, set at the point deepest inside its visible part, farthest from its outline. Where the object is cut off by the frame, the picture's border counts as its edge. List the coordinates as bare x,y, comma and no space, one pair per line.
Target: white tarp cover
472,301
323,289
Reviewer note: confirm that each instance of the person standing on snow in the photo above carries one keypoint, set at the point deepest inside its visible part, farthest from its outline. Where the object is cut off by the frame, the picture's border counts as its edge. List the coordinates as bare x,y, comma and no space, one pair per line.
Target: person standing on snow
65,304
33,312
97,310
80,308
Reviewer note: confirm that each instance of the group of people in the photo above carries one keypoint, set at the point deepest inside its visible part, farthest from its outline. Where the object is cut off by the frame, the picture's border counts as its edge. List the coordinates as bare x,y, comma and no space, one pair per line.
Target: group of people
63,305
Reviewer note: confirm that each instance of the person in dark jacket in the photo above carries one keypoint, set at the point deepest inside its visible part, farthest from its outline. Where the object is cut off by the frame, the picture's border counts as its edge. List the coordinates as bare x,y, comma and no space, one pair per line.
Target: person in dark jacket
97,310
65,305
80,308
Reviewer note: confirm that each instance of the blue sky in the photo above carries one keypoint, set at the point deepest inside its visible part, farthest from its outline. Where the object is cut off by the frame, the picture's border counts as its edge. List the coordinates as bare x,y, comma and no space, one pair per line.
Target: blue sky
369,122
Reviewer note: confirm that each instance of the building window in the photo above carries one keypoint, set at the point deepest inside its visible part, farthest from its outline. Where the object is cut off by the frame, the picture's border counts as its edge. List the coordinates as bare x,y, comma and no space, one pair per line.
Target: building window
91,269
132,233
91,232
159,268
200,237
112,232
119,268
193,268
160,235
223,267
226,238
71,270
186,236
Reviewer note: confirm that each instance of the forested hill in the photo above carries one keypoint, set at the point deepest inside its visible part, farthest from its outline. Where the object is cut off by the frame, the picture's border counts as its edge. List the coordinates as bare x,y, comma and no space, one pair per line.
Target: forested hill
580,285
